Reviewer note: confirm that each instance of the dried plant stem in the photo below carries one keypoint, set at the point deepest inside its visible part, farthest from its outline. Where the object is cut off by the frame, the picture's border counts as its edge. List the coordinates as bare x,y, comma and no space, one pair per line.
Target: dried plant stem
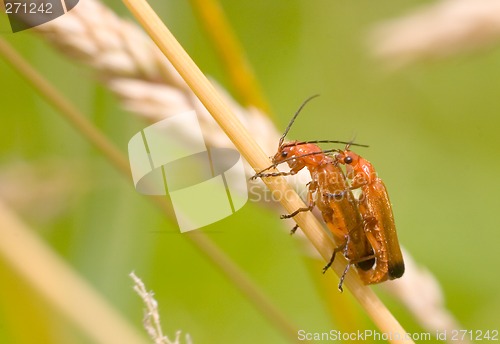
230,51
152,315
257,159
200,240
57,282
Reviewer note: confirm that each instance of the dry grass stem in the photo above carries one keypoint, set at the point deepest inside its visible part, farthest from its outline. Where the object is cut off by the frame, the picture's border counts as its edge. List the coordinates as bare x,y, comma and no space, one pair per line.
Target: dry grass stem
151,320
438,30
57,282
255,156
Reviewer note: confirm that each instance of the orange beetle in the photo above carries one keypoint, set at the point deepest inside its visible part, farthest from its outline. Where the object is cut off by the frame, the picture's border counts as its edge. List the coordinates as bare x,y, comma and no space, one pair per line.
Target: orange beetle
339,212
378,220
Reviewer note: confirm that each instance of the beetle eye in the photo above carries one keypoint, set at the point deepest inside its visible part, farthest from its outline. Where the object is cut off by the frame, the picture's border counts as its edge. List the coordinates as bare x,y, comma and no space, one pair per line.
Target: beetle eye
284,154
348,159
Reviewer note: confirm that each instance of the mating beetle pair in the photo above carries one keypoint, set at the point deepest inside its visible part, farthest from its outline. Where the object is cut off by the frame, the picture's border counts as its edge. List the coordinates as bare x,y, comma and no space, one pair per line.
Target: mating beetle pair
362,228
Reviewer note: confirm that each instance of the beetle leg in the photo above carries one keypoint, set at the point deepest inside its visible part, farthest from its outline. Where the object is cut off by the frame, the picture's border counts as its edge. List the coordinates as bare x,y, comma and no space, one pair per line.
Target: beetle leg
342,247
294,229
343,276
300,210
310,200
274,174
339,248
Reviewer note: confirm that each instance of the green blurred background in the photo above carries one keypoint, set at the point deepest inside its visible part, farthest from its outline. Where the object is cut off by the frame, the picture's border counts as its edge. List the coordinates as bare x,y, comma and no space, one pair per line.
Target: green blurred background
433,135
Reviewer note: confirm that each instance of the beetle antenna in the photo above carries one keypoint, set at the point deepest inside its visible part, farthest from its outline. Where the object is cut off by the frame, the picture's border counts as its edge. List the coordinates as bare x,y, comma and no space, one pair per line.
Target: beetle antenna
351,142
294,117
